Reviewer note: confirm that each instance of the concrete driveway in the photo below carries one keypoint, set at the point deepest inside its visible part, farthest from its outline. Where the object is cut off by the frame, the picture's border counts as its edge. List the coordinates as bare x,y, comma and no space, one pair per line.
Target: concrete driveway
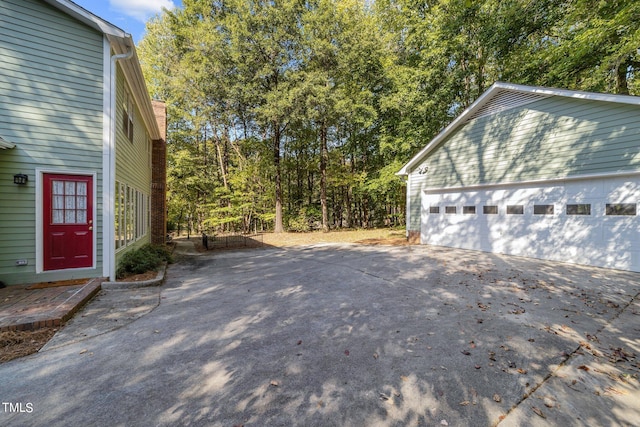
345,335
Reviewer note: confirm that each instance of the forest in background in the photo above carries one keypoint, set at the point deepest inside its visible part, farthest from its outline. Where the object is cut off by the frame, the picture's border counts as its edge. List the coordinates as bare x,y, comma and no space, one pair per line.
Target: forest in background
295,115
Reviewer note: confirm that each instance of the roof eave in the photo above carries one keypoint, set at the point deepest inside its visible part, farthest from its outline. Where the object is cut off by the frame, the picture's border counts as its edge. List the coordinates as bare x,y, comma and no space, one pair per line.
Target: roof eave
88,18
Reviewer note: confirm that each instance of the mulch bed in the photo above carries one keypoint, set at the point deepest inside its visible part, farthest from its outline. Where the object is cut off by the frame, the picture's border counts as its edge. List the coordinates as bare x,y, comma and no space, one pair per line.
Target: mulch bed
15,344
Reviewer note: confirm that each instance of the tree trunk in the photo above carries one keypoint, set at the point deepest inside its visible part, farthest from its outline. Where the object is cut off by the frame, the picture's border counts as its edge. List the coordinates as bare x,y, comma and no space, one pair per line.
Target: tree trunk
278,228
323,176
622,87
347,203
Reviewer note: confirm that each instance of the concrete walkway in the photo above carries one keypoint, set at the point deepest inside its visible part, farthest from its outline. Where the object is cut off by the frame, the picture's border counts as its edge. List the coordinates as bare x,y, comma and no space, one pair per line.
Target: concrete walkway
348,335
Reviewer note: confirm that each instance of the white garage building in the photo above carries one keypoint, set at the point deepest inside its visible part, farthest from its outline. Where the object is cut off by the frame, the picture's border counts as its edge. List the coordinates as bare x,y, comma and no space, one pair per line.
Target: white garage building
537,172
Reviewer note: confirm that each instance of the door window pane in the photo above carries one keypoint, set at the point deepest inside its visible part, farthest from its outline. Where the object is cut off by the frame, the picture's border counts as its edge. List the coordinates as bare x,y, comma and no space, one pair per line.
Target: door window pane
82,188
58,202
58,216
70,188
58,187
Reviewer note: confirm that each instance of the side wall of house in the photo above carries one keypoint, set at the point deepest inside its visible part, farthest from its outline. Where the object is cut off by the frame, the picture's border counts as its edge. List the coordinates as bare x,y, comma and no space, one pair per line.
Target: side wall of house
51,107
133,175
551,138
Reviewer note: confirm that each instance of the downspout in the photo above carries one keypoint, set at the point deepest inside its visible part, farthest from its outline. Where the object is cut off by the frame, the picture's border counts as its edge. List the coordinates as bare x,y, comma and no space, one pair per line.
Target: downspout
109,225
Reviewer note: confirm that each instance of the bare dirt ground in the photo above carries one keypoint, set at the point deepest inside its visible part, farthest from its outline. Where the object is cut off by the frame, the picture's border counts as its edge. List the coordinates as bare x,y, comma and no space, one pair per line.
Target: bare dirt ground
15,344
377,236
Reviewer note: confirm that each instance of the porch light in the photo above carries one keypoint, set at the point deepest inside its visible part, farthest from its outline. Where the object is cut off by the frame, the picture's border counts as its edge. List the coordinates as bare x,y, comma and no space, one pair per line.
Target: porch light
20,179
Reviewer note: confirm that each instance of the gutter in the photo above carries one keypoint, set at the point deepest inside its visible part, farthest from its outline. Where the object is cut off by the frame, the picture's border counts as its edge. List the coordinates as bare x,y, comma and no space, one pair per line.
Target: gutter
109,172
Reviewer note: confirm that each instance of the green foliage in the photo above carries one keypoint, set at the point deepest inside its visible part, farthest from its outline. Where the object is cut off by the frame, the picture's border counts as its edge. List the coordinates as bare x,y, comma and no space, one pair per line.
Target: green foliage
307,219
279,108
143,259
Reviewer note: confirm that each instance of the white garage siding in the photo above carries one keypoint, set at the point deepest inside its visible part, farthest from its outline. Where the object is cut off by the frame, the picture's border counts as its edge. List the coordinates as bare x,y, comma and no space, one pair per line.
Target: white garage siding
596,239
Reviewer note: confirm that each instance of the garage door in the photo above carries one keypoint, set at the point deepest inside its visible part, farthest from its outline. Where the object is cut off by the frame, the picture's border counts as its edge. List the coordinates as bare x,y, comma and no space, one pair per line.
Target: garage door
592,222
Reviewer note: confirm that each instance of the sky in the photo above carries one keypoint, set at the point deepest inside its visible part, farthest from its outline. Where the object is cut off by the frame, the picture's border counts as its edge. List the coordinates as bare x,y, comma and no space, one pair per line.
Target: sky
129,15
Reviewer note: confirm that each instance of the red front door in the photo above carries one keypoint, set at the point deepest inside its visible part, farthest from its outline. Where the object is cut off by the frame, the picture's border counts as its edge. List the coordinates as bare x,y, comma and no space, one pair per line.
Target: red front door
68,221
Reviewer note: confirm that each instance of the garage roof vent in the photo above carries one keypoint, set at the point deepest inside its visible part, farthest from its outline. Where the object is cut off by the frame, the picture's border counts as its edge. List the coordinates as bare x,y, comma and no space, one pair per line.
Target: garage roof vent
504,100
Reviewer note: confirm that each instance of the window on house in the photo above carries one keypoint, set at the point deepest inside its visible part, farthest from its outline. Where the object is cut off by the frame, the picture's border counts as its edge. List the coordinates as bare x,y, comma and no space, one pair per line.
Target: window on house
127,115
450,209
434,209
120,201
621,209
579,209
468,209
131,215
543,209
490,210
515,209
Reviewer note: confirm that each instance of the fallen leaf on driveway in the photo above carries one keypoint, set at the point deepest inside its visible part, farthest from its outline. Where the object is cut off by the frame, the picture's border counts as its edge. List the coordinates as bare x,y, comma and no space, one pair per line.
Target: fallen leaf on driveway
346,352
464,403
549,402
592,338
584,368
274,383
620,355
375,355
465,352
497,398
612,390
538,411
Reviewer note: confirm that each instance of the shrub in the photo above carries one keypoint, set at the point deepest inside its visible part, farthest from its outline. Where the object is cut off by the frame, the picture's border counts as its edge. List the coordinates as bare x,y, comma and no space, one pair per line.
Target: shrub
141,260
308,219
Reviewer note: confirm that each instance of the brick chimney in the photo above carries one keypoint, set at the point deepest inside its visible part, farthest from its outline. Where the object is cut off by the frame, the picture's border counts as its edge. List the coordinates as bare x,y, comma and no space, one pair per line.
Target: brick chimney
159,177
